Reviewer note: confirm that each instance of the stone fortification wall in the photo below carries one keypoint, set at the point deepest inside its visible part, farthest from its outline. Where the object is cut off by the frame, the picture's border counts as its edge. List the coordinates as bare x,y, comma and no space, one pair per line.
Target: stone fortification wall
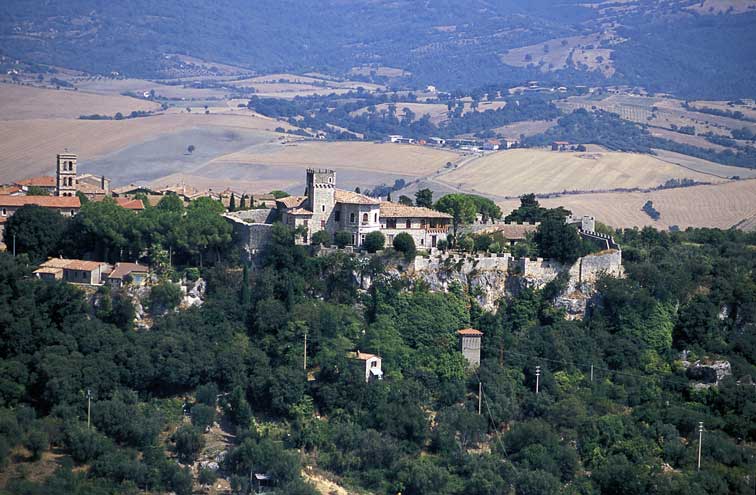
251,237
495,276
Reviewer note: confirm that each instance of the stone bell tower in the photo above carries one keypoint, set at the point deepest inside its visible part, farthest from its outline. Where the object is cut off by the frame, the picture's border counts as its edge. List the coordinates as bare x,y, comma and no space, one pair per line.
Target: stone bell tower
65,184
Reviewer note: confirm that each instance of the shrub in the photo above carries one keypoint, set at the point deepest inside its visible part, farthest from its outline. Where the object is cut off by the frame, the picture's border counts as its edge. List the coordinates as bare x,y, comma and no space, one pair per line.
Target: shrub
321,237
404,243
86,445
207,476
164,296
202,416
192,274
443,245
342,238
467,245
494,247
37,442
189,443
374,241
207,394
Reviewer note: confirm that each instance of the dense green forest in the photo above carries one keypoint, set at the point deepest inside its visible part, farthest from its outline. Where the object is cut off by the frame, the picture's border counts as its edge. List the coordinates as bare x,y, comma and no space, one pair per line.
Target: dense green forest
435,43
627,428
323,112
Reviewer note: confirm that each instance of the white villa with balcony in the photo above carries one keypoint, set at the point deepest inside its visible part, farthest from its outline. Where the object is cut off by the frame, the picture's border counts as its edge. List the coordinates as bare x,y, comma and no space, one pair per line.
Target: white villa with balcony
324,207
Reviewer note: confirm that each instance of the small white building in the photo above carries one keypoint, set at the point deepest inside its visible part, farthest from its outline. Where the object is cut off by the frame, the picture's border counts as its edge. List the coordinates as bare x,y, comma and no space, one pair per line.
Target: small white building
371,364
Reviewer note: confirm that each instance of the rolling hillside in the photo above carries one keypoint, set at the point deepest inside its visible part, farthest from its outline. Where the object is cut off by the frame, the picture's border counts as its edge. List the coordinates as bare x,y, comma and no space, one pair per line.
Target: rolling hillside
485,42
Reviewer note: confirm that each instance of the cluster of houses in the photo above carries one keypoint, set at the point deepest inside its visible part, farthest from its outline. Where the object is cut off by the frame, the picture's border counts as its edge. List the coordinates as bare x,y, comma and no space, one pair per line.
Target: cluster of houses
492,144
93,272
59,193
62,193
326,208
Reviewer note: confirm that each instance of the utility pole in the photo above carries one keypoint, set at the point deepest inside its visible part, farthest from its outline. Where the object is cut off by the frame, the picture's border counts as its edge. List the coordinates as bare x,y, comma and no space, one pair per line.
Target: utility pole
480,397
700,439
591,373
305,350
538,378
89,408
14,245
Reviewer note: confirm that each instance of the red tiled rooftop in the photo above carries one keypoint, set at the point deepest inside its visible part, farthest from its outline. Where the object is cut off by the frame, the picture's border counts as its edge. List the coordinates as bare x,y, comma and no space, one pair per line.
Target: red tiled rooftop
44,201
469,331
42,181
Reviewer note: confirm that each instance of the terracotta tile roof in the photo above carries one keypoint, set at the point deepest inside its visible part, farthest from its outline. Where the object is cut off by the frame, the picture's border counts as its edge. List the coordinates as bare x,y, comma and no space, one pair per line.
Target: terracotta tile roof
130,188
90,189
45,201
300,211
363,356
130,204
42,181
9,189
292,201
48,269
349,197
123,269
61,263
512,231
469,331
395,210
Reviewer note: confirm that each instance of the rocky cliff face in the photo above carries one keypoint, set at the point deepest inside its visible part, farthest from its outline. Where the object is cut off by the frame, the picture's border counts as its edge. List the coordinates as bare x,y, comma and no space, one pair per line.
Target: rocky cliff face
490,278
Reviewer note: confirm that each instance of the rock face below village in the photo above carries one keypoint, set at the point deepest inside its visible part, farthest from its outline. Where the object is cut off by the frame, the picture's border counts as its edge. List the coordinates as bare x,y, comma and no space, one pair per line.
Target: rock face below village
492,277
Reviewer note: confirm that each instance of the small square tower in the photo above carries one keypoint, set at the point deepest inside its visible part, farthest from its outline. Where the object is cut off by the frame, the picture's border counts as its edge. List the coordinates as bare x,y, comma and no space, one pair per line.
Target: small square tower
65,184
321,185
469,345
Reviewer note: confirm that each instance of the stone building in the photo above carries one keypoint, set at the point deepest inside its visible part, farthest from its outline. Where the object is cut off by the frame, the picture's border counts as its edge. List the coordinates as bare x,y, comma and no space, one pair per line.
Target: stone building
326,208
74,271
426,226
469,345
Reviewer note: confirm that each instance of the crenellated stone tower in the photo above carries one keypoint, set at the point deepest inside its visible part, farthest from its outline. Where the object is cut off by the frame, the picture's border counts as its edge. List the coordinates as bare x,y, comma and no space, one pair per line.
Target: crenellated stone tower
66,175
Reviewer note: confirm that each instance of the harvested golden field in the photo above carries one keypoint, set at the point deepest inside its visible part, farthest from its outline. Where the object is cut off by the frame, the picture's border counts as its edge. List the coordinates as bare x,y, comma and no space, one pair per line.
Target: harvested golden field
29,146
117,86
558,53
26,102
720,205
705,166
399,159
516,172
722,6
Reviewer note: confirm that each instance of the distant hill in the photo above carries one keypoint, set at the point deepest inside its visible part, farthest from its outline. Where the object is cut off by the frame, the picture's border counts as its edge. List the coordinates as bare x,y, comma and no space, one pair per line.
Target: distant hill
683,47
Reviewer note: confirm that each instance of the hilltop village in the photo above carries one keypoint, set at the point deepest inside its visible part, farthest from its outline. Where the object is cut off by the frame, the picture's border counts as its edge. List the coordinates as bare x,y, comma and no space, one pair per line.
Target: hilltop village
242,342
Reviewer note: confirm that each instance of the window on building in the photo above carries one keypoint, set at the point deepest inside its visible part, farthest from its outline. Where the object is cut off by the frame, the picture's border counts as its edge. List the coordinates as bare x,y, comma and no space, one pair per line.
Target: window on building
375,218
422,241
365,218
354,239
374,364
5,212
408,224
351,217
337,215
391,223
322,207
322,224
